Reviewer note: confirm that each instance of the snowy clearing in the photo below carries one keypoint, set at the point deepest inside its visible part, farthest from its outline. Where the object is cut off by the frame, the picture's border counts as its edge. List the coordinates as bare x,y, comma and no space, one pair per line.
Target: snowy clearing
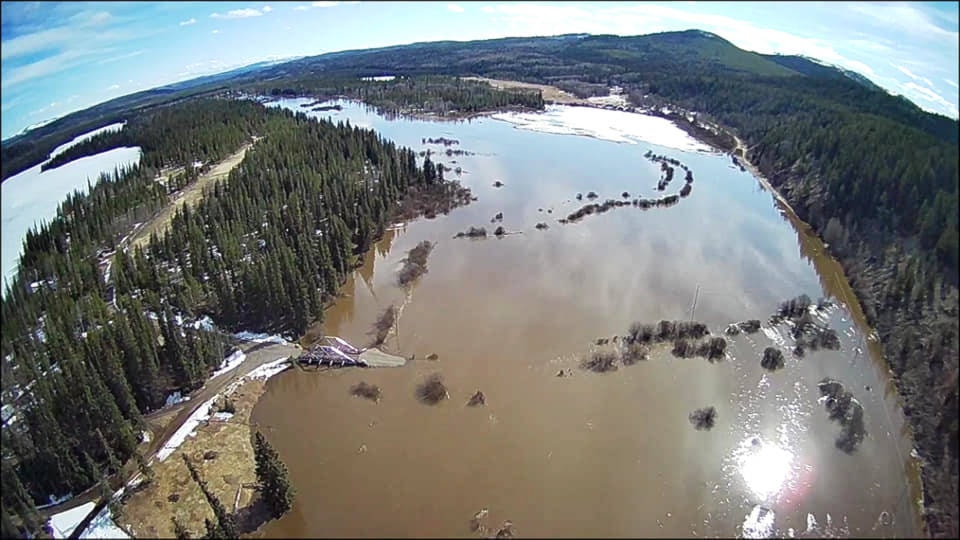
608,125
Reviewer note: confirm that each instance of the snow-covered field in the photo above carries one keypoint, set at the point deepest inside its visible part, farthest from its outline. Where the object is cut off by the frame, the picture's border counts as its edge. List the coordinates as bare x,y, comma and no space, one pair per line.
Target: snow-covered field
616,126
32,197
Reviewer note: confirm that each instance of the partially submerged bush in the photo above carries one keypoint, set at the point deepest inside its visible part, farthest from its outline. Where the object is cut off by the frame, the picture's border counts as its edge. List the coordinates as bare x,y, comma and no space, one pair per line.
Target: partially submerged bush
791,309
673,330
640,333
500,231
432,390
498,184
477,399
592,195
713,349
542,226
683,349
732,330
772,359
473,232
383,324
751,327
367,391
842,407
633,353
704,418
600,362
415,265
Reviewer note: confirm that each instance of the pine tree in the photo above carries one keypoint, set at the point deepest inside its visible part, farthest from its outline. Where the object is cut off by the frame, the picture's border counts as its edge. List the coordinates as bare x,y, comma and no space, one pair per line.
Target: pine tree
272,477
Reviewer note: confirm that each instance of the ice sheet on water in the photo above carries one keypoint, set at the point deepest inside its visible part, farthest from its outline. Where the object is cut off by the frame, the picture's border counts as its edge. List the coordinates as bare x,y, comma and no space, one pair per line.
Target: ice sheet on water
609,125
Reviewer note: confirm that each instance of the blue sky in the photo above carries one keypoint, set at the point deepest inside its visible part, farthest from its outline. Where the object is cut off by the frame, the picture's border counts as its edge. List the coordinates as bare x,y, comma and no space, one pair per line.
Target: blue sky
62,57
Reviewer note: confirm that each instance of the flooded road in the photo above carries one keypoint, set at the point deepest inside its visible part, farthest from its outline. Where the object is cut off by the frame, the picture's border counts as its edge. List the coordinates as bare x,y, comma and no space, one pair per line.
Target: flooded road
589,454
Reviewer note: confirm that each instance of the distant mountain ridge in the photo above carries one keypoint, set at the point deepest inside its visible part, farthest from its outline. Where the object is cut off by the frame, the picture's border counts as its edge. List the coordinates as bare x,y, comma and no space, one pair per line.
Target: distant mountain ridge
586,58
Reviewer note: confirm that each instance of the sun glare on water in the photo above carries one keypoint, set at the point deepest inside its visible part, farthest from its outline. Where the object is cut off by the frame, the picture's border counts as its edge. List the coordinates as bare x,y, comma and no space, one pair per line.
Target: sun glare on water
765,467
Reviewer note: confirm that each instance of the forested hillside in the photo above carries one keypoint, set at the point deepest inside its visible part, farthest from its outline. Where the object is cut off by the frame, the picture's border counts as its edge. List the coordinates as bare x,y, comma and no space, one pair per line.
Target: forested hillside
84,359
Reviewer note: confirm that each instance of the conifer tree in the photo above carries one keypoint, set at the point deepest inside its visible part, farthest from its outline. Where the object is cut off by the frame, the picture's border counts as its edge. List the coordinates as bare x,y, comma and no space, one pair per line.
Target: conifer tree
272,477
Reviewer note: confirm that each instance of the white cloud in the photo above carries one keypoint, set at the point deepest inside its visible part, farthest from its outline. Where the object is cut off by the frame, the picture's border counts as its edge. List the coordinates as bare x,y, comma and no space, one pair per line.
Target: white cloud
951,83
918,92
913,76
325,4
238,14
455,8
112,59
266,9
113,87
188,22
302,8
215,31
47,66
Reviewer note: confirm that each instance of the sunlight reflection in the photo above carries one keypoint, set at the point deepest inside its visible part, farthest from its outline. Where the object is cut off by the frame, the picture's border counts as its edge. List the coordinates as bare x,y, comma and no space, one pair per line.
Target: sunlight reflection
765,467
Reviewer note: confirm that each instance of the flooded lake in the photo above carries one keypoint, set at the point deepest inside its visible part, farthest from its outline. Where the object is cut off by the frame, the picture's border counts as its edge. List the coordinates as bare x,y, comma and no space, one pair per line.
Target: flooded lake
32,197
589,454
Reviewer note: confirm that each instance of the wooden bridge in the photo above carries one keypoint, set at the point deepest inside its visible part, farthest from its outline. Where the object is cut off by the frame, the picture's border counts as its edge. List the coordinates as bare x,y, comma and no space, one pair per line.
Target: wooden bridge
336,352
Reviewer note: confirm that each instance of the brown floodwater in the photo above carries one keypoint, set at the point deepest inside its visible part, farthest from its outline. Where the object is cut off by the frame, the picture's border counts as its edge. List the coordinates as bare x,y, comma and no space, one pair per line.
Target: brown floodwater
589,454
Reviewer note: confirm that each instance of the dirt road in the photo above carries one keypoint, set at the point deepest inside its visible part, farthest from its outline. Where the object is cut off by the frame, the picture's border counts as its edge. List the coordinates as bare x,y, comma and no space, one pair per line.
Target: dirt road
190,194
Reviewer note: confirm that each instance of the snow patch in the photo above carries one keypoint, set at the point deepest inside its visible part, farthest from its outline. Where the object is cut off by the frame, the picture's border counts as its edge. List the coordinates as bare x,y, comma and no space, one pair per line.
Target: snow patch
230,363
222,416
261,338
64,523
103,526
200,415
175,398
609,125
270,369
203,323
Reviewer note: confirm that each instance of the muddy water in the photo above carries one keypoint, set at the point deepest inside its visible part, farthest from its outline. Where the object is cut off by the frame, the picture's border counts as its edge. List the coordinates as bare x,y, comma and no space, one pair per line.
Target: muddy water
590,454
